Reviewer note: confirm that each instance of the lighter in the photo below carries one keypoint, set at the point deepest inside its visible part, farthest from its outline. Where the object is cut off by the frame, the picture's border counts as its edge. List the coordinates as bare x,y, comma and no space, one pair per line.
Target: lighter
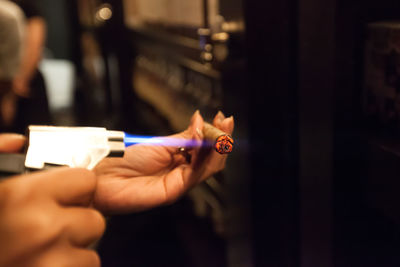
50,146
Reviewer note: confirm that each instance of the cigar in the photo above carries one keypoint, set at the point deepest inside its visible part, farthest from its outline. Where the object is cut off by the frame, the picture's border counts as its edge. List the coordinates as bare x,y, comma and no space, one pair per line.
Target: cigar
223,142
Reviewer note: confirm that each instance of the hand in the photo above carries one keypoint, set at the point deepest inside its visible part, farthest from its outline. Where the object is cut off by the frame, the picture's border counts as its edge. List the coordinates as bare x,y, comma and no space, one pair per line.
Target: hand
21,87
148,176
45,219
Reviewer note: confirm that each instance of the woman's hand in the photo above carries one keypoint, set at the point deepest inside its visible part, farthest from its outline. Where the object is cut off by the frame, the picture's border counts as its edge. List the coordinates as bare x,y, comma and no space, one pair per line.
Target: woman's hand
148,176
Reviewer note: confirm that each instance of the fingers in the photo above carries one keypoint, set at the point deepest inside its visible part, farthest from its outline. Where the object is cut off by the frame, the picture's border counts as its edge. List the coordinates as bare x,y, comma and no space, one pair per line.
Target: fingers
227,125
196,130
211,162
85,226
11,143
68,186
223,123
190,138
218,119
42,226
196,122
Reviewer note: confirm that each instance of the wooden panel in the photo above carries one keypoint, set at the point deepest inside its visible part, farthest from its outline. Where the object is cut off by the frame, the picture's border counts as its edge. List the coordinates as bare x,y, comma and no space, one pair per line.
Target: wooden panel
166,12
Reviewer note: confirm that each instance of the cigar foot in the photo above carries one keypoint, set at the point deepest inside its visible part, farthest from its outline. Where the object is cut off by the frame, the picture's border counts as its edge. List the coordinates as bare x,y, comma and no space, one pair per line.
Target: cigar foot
224,144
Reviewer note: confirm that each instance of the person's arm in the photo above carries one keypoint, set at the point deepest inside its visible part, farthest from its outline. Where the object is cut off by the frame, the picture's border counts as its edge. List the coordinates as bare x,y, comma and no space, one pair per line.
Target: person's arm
33,48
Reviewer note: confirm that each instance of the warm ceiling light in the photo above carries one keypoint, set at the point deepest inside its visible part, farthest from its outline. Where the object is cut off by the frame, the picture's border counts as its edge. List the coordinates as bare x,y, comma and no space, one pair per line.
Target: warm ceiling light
105,12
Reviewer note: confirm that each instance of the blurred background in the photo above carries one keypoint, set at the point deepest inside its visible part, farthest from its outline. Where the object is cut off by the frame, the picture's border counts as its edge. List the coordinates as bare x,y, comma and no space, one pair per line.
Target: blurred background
313,85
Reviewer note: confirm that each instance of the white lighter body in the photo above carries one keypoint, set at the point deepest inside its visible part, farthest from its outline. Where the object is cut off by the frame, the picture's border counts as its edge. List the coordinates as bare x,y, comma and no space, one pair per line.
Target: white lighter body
77,147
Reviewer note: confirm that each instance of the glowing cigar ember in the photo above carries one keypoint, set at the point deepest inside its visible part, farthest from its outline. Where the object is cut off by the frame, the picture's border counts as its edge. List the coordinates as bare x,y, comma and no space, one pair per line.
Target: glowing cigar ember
223,142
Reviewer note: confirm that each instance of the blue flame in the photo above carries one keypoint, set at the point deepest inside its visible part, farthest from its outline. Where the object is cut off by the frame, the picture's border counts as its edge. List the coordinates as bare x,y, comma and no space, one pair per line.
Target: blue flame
130,140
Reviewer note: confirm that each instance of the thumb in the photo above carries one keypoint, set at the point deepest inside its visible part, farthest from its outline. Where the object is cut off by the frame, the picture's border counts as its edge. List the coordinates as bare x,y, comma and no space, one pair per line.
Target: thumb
10,143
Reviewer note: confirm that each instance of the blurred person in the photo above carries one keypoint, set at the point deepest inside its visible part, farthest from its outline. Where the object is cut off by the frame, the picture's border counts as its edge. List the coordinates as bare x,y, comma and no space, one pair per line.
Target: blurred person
28,84
49,218
11,36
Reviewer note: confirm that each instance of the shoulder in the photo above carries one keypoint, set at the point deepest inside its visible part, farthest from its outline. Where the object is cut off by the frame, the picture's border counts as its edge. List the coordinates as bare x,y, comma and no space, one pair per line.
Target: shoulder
10,10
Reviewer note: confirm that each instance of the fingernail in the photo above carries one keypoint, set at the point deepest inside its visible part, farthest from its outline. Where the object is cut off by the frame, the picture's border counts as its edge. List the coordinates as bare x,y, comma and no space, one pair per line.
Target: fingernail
199,132
197,112
220,117
229,123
